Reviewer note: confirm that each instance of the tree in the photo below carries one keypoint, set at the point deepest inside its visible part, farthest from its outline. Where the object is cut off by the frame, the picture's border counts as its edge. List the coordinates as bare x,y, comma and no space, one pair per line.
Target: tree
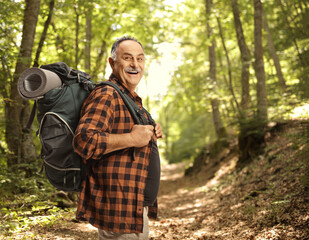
20,143
230,82
245,57
44,33
89,9
259,63
273,53
217,120
251,138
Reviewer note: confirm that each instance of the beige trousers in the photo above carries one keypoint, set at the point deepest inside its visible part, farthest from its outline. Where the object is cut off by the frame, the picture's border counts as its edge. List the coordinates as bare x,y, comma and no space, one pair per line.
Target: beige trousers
104,235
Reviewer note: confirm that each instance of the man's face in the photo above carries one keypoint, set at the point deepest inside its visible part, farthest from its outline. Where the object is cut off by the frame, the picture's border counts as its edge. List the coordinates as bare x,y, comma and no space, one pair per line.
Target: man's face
129,64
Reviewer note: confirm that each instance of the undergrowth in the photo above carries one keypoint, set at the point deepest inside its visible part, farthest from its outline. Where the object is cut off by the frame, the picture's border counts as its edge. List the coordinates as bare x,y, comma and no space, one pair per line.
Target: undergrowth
274,187
26,202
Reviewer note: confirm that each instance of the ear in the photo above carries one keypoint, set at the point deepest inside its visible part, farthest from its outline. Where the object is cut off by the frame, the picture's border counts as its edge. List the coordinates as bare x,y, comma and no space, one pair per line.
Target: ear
111,62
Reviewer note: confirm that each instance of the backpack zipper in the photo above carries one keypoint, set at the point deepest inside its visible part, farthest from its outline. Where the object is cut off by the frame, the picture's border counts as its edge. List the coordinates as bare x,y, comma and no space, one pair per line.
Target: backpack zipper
47,113
61,169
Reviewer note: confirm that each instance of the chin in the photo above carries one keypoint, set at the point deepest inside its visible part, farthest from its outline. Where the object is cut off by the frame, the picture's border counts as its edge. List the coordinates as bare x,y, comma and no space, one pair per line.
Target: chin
132,83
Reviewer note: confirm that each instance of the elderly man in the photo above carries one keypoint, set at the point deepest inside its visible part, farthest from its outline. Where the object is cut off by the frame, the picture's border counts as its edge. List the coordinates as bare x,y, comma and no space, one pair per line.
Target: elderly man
121,188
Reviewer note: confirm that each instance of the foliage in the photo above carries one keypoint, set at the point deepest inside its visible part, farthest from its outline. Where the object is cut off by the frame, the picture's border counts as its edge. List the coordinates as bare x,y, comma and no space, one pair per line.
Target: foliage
152,22
66,41
264,200
190,90
10,29
26,201
22,219
110,20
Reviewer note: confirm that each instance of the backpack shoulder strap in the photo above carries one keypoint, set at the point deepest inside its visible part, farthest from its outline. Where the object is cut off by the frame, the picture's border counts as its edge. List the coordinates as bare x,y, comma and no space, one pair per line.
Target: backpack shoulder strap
31,118
136,112
139,111
131,105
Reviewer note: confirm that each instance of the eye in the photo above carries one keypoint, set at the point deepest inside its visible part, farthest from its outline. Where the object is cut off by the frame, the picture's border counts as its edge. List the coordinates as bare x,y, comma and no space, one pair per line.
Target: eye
140,59
127,58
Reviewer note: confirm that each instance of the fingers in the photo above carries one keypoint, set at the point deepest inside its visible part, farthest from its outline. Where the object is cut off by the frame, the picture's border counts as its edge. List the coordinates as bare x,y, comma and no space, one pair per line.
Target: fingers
158,131
141,135
150,127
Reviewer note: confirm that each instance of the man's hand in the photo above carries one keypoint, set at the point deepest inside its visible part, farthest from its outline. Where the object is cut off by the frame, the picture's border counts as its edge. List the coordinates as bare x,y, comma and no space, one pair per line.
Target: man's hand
158,131
141,135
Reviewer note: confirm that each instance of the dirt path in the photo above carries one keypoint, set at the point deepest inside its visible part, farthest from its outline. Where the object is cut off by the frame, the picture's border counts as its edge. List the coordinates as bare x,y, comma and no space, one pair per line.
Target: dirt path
188,209
198,207
265,200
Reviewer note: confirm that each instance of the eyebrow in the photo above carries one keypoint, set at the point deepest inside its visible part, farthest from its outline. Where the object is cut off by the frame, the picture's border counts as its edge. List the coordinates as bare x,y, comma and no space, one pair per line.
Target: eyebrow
141,54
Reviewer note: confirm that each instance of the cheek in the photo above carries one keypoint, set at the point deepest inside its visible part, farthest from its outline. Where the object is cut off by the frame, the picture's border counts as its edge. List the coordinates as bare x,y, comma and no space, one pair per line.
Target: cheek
119,68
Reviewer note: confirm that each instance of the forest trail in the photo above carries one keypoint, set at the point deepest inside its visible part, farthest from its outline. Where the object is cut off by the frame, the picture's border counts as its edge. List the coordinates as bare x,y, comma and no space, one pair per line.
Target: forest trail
265,200
268,199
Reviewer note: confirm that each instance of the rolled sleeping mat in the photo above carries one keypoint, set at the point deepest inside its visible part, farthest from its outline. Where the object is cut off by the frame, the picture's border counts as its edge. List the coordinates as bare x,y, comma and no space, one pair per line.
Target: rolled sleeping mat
33,83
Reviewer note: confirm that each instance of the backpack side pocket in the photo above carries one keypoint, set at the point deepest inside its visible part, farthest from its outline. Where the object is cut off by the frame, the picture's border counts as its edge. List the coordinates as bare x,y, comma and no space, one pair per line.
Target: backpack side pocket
63,167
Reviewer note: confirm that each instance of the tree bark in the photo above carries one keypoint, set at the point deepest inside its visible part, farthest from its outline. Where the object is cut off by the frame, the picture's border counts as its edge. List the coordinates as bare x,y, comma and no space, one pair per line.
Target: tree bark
101,59
230,83
273,53
20,144
76,35
302,60
217,120
88,40
259,63
44,33
245,58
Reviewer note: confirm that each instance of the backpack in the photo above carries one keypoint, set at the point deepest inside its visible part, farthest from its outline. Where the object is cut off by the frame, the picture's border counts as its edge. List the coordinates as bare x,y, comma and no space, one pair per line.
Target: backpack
58,116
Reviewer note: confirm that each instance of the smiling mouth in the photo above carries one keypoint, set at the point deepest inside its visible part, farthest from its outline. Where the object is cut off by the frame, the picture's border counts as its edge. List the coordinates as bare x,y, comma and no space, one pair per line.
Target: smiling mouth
132,71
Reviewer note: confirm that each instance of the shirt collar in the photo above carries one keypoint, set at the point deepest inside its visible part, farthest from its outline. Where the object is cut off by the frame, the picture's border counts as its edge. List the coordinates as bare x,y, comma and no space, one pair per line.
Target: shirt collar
133,94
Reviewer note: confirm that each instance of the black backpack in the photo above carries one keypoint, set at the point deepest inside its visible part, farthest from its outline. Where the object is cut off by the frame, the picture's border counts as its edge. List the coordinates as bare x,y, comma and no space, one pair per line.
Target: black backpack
58,116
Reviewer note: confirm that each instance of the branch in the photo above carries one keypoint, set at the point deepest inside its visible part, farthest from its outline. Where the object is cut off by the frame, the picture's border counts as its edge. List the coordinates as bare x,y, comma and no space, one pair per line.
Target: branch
44,33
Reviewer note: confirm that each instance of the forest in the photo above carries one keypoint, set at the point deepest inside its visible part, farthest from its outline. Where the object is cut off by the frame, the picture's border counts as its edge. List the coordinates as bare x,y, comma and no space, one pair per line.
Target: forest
229,83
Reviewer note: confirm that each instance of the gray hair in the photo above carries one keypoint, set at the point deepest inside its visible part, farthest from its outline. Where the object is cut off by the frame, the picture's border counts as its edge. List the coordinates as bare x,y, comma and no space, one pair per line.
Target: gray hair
118,41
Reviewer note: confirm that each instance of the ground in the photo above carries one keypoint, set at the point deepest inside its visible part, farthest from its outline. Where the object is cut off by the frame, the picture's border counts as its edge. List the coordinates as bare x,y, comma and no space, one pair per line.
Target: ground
268,199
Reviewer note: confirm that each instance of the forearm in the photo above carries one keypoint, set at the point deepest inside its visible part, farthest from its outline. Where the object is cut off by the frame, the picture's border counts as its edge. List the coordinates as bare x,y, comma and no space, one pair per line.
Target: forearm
94,144
118,142
139,136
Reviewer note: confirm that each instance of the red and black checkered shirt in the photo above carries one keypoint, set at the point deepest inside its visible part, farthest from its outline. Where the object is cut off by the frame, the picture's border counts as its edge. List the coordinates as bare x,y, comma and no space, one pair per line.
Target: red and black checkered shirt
112,194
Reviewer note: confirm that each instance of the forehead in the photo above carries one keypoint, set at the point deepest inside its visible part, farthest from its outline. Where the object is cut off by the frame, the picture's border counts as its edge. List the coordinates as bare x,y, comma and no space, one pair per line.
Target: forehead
130,47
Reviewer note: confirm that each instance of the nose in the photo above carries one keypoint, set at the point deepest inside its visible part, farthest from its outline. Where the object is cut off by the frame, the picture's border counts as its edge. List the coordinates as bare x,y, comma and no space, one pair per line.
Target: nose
133,62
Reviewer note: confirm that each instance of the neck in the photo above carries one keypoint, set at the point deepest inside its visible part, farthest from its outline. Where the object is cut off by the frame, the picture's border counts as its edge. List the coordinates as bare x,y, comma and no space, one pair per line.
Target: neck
118,79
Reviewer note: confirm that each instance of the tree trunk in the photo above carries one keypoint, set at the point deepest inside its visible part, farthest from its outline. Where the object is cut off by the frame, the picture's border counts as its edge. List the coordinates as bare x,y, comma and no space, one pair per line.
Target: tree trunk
20,144
76,35
251,138
88,40
44,33
288,22
217,120
101,57
230,84
245,58
166,126
259,63
273,53
216,117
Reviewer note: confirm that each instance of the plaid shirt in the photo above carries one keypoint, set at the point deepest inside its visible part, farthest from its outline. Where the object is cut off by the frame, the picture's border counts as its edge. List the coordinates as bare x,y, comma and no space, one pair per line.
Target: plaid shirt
112,194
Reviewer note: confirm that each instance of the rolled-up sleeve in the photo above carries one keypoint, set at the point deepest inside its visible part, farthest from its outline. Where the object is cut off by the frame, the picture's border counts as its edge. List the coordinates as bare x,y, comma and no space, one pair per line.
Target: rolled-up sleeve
91,135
